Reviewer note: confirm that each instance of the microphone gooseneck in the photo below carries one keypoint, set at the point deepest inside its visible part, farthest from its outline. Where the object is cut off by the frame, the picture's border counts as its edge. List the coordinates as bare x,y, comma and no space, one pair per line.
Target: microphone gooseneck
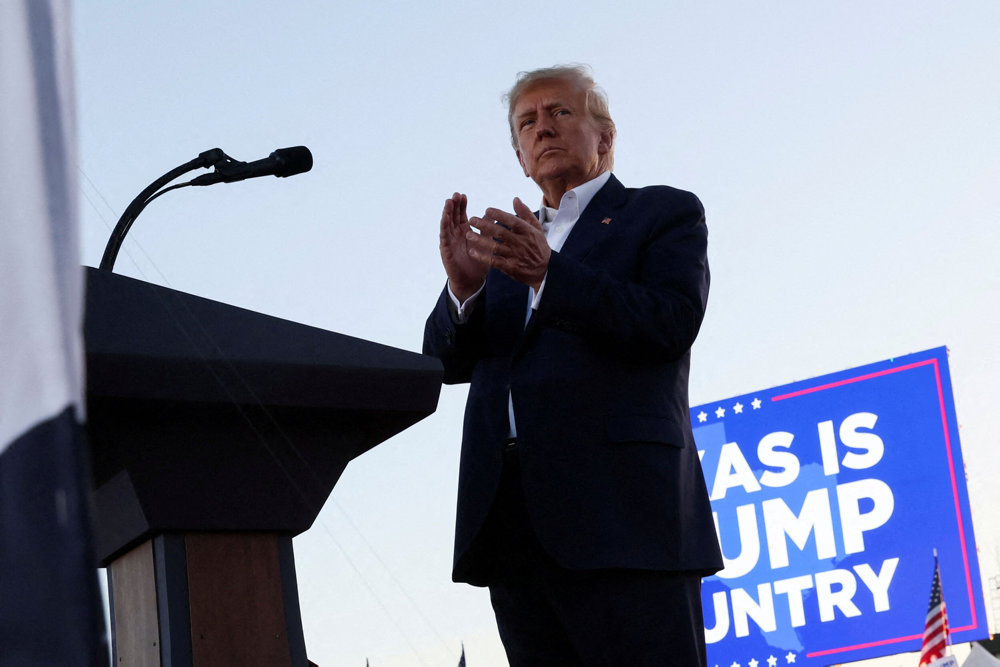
282,163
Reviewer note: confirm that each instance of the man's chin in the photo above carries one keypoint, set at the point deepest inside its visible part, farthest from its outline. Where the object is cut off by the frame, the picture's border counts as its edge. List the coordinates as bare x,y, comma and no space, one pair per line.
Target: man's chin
552,170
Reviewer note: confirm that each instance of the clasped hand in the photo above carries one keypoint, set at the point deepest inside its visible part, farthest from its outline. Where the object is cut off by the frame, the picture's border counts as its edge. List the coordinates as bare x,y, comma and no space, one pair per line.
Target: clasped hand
513,243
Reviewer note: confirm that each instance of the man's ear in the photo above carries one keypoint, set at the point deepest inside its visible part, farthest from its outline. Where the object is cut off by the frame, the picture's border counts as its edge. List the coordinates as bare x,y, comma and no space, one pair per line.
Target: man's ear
605,143
520,160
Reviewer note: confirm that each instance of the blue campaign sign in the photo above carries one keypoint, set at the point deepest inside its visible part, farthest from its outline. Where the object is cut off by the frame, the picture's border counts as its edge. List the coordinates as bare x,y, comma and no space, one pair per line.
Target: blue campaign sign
830,496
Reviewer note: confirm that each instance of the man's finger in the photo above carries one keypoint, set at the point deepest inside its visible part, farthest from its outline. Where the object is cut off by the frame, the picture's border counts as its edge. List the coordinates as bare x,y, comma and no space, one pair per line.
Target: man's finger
447,220
454,209
525,213
480,224
480,243
508,220
489,230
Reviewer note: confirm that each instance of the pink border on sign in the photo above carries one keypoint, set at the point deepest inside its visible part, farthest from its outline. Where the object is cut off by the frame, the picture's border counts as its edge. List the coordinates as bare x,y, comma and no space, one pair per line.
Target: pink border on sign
954,493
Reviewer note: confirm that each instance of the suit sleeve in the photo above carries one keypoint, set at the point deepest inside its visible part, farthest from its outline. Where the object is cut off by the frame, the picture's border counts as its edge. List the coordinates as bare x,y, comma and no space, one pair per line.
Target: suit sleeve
458,346
655,311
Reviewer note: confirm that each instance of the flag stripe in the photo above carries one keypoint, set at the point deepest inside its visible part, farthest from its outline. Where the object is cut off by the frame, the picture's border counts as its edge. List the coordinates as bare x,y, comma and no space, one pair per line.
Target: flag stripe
41,299
50,609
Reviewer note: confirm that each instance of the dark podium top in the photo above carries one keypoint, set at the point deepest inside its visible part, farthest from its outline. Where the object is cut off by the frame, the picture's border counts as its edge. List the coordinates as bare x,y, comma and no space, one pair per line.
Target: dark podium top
207,417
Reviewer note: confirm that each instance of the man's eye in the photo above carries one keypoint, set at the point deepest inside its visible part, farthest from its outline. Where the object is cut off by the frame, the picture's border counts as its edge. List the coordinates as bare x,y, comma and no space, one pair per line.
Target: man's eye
562,112
526,123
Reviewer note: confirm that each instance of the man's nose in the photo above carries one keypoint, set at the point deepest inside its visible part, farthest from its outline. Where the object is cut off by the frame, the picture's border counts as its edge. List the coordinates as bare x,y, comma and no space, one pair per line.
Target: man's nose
544,126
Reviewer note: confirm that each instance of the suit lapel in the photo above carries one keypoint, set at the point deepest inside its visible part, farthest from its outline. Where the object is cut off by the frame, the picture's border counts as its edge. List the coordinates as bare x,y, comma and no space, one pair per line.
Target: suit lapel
597,221
595,224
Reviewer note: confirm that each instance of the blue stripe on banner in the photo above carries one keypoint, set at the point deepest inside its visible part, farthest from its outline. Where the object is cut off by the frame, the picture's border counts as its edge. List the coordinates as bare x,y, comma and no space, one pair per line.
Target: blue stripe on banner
50,603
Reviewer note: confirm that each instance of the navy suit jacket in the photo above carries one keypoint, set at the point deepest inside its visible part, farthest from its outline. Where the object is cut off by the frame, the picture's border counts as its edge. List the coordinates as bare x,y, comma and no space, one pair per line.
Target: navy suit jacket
598,379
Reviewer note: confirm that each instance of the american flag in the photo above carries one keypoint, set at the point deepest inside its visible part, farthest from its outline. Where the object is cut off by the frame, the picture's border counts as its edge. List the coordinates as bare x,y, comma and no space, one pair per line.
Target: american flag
936,625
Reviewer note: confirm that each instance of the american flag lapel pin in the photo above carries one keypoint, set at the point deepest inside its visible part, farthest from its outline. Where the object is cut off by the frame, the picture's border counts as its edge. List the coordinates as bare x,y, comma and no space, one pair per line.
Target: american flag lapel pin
606,221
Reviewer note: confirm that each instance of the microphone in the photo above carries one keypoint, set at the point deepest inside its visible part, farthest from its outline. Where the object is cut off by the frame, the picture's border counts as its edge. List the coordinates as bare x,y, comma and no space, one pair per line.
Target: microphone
282,163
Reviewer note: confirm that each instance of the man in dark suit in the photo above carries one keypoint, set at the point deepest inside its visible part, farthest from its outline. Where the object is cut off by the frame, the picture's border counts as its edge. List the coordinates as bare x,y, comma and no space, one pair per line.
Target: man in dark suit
581,503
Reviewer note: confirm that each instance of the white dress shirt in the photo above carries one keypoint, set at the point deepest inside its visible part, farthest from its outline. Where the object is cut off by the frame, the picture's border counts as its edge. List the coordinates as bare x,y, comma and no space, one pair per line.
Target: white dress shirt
557,225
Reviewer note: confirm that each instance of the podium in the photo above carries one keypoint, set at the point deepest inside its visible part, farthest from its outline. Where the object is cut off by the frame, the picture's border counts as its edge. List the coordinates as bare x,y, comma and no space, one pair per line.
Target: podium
217,434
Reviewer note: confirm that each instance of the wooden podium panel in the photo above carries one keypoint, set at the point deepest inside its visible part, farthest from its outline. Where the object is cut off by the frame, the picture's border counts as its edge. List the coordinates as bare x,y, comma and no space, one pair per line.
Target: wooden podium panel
236,600
206,600
132,589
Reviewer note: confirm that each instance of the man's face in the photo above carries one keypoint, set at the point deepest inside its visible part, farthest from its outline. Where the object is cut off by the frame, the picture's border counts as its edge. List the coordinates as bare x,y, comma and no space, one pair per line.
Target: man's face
558,142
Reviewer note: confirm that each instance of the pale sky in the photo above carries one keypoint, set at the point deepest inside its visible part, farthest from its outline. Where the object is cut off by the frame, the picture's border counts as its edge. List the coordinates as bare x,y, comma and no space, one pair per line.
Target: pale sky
848,156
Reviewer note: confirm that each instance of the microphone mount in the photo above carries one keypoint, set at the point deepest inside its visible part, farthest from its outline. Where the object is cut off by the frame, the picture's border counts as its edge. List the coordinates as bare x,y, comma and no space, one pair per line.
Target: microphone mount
281,163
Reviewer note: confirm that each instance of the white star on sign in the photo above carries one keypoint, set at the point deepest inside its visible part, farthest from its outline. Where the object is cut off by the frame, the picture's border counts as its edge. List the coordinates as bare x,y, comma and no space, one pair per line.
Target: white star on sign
735,664
720,412
702,417
772,661
738,408
790,658
753,662
755,403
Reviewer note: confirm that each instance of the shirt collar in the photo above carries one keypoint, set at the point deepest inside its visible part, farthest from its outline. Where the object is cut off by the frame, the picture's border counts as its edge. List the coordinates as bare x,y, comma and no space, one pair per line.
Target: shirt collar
576,204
